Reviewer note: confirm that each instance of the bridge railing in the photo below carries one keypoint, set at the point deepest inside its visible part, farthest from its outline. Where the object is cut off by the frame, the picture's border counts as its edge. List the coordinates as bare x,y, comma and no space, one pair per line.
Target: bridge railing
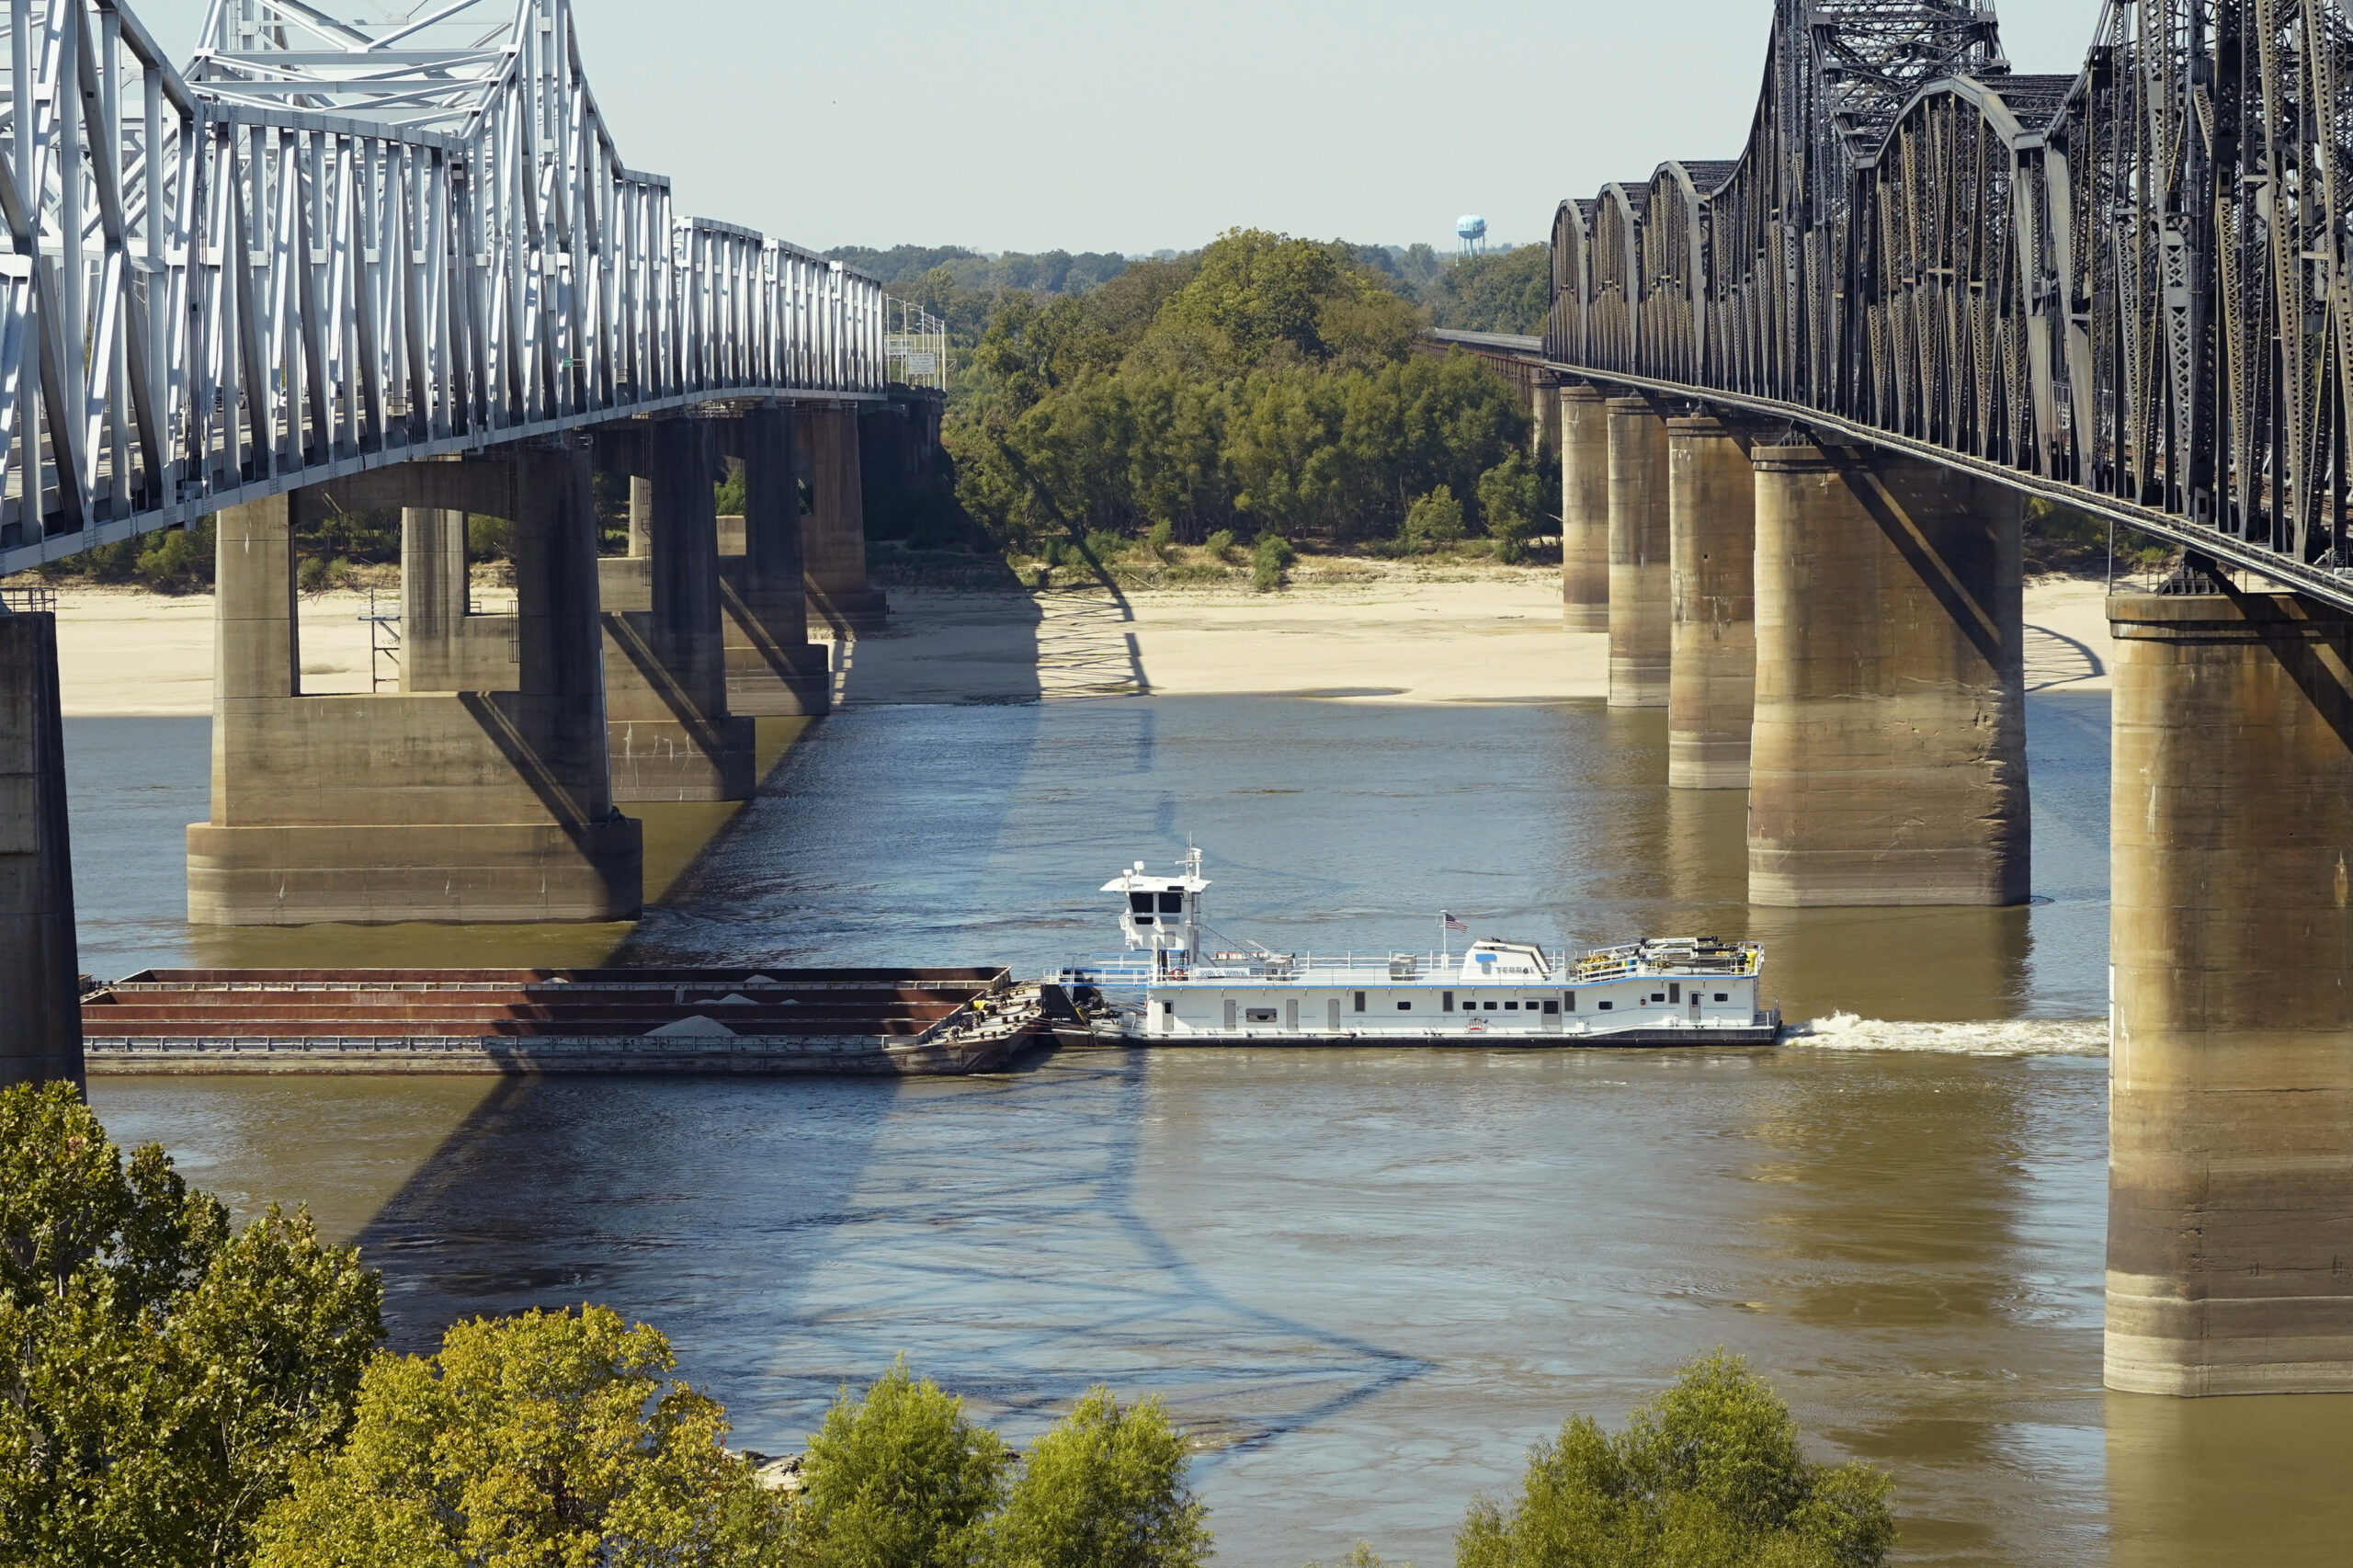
326,249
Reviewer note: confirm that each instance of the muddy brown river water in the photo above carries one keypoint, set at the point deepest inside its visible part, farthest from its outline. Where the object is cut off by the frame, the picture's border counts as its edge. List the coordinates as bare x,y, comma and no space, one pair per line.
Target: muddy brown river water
1367,1280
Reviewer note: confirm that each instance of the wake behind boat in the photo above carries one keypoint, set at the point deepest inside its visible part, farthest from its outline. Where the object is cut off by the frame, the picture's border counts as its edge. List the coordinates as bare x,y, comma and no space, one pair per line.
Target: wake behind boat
1177,985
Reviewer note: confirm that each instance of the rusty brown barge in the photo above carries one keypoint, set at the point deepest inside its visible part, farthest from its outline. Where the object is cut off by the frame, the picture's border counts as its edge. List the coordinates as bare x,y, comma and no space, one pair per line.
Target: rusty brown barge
736,1021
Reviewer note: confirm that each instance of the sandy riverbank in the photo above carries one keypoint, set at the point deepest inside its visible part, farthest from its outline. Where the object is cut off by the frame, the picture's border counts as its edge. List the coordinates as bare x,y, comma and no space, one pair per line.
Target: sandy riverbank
1490,636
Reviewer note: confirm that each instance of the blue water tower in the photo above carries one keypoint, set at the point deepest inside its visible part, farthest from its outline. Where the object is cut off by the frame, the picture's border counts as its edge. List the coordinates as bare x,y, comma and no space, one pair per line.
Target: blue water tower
1471,230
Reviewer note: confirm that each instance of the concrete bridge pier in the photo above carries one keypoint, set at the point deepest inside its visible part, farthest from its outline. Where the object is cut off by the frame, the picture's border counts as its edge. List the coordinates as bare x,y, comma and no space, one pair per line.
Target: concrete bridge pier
444,645
2230,1228
1642,633
1888,757
1544,416
1585,509
773,670
469,805
1711,686
40,1002
673,736
833,534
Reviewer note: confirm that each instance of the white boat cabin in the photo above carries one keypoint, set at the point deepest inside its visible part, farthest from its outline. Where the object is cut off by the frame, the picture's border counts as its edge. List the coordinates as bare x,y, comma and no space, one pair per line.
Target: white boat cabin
1177,987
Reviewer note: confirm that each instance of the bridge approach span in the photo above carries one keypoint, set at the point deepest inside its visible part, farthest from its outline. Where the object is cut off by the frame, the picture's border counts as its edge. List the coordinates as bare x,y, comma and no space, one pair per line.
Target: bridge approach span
328,246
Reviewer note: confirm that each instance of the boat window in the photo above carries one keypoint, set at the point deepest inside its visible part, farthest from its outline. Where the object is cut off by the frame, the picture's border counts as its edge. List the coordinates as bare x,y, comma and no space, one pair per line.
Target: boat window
1404,1006
1550,1006
1260,1014
1168,1009
1141,903
1489,1005
1359,1000
1511,1006
1722,997
1658,995
1675,993
1172,903
1606,1005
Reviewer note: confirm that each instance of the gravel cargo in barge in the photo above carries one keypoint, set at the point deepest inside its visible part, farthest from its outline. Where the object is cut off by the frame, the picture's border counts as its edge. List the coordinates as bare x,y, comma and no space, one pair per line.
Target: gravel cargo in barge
746,1021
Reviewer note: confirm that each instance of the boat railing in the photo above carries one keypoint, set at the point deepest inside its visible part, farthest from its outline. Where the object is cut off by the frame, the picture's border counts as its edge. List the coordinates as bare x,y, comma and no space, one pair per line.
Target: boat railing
1358,969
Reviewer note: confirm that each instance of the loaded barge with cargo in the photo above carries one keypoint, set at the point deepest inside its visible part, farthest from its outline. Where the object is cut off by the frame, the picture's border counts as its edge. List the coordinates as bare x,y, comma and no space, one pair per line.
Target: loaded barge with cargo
1179,984
733,1022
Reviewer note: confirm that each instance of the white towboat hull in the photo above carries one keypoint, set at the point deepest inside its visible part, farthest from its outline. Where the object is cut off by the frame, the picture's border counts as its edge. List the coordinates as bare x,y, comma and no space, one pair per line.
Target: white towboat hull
1173,987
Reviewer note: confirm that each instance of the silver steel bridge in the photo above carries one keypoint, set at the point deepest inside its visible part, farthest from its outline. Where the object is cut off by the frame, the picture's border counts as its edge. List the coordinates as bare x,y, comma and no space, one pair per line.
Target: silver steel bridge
328,245
2130,289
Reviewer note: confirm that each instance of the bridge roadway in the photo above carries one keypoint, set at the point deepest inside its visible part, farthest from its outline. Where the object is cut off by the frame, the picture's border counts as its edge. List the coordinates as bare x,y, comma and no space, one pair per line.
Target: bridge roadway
338,265
1799,397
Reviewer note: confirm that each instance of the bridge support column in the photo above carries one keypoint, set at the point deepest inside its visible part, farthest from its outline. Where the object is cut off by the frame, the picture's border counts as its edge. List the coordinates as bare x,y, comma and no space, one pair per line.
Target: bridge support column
672,734
2230,1206
1641,631
445,646
40,1002
1711,693
833,534
1544,409
469,806
773,670
1585,509
1888,757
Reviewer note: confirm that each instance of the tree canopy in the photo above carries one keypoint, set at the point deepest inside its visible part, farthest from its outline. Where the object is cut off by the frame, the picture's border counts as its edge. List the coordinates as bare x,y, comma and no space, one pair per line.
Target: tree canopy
163,1375
1708,1475
551,1438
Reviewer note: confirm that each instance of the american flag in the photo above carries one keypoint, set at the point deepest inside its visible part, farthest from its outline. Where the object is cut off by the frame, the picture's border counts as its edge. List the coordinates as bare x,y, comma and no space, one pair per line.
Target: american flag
1452,923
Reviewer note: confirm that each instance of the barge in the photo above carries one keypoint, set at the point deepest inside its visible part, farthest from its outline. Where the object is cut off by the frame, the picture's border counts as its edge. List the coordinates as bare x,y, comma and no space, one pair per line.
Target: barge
1179,984
732,1022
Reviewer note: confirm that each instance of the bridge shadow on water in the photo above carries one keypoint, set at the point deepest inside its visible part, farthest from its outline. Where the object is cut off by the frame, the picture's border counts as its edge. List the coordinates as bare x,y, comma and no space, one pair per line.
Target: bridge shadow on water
792,1236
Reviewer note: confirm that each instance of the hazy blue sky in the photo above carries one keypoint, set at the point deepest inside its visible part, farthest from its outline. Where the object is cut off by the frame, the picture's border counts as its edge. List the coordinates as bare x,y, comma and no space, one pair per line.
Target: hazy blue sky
1031,124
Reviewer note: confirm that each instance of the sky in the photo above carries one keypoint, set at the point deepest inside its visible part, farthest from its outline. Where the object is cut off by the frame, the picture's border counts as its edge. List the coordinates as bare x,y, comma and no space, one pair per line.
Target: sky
1107,125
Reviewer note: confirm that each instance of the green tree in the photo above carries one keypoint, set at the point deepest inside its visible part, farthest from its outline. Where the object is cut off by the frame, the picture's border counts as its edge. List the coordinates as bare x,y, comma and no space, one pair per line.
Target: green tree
1270,559
898,1479
1502,291
547,1438
1708,1475
1510,495
1104,1489
159,1377
1434,521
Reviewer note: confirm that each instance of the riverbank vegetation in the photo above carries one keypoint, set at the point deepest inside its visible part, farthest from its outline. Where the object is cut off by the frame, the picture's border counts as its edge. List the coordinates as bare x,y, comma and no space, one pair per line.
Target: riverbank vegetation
174,1393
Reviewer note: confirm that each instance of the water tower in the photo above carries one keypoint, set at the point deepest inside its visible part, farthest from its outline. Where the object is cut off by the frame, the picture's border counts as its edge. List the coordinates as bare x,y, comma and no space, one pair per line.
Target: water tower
1471,230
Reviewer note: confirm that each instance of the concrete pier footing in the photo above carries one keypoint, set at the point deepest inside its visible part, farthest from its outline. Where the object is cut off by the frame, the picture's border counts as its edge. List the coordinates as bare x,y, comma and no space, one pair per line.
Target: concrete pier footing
673,736
1585,509
833,533
40,1006
1711,690
472,805
2229,1227
1887,755
773,670
1641,575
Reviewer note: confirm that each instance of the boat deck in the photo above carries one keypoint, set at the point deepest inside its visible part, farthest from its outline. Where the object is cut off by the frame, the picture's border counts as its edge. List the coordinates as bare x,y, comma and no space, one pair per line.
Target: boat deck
546,1020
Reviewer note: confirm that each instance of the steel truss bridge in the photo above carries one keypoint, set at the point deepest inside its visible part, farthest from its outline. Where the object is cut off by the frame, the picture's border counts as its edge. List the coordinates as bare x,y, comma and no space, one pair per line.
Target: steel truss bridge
329,245
2130,289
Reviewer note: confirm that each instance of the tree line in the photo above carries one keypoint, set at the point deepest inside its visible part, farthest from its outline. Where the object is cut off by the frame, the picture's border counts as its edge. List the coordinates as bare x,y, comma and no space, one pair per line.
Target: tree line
176,1393
1265,386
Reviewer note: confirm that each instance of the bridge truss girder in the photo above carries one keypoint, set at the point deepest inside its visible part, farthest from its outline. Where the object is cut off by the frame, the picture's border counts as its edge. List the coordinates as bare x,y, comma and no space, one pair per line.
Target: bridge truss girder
330,247
2129,288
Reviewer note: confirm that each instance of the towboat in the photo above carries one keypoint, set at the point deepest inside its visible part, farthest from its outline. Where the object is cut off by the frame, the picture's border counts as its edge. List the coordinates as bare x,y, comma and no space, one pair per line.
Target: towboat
1179,984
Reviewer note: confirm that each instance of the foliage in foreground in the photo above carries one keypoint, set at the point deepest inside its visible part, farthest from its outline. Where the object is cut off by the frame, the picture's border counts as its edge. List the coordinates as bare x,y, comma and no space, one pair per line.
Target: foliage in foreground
900,1478
159,1377
549,1438
1708,1475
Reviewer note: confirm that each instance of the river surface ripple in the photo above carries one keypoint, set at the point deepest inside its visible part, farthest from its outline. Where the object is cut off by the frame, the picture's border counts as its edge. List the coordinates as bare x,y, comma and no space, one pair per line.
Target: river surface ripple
1367,1279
